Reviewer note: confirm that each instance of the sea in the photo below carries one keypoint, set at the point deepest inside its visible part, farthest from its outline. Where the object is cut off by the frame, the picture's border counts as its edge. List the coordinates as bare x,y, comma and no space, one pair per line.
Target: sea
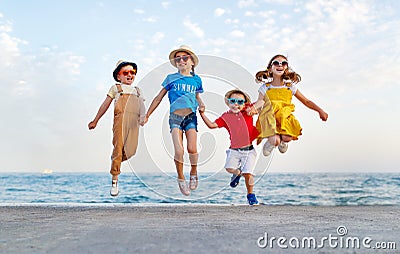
308,189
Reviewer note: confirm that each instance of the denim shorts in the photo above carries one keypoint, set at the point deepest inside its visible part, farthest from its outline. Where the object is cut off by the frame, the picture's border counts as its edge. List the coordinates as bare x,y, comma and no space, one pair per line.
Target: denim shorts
183,123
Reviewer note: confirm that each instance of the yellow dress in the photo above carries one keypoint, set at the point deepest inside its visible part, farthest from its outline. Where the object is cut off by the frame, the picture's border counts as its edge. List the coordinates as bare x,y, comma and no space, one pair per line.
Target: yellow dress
276,116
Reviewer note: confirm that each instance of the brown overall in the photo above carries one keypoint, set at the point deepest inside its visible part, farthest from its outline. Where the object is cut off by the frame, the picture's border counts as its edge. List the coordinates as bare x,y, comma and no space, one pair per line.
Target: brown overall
125,129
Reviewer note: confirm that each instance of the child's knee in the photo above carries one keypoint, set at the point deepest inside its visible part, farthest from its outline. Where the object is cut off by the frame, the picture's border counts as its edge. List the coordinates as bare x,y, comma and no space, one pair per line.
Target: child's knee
249,178
192,150
179,153
233,171
287,138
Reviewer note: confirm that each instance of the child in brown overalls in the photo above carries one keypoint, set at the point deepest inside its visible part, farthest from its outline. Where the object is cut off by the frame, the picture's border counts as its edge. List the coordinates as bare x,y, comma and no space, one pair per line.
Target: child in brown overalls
129,112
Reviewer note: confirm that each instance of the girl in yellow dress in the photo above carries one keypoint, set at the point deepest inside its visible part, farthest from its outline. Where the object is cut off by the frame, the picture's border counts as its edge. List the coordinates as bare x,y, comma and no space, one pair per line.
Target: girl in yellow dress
276,121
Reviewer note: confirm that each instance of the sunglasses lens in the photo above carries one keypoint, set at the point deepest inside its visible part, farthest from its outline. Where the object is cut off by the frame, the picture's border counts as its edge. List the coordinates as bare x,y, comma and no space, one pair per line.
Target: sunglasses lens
179,58
234,101
126,73
277,63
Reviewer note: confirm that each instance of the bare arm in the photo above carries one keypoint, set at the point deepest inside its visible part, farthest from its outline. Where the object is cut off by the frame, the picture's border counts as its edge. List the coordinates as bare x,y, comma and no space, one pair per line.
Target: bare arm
257,105
142,111
103,108
311,105
260,101
211,125
200,102
154,104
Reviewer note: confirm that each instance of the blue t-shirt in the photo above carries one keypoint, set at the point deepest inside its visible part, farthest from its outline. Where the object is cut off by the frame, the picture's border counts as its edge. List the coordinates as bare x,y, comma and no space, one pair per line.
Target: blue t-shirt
182,91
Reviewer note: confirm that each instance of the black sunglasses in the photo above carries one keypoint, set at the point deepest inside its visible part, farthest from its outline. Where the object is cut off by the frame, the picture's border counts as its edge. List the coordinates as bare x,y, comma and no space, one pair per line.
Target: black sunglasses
179,58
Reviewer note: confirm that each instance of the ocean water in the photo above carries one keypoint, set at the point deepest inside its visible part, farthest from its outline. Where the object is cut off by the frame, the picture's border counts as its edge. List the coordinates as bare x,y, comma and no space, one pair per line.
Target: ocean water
317,189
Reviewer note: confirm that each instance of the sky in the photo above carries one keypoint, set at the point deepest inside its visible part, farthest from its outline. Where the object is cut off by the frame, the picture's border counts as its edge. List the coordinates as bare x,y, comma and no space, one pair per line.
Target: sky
57,58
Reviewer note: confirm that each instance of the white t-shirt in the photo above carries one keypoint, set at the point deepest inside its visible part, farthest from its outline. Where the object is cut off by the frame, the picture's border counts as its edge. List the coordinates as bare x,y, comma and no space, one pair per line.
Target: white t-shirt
292,86
128,89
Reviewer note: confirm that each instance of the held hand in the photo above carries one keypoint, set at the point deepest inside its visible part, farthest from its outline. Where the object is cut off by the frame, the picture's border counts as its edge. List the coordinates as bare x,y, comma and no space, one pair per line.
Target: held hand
251,111
202,108
248,110
143,120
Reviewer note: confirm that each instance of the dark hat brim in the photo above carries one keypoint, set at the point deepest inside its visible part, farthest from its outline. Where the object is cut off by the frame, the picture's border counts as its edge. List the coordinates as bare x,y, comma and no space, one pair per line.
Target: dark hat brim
119,67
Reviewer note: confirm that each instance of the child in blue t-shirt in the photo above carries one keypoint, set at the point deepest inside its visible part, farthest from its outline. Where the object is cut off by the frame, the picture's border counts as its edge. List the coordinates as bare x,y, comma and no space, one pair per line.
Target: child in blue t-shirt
183,88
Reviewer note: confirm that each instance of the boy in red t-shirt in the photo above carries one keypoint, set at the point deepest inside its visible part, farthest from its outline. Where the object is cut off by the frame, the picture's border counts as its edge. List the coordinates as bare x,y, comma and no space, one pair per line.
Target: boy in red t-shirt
241,155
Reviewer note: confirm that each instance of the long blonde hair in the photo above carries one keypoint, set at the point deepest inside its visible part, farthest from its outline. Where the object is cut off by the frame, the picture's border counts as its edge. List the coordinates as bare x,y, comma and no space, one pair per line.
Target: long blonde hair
266,75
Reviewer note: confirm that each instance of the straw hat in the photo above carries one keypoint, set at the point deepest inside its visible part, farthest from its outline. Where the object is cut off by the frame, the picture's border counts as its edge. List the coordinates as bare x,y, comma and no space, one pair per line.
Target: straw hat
186,49
229,94
119,65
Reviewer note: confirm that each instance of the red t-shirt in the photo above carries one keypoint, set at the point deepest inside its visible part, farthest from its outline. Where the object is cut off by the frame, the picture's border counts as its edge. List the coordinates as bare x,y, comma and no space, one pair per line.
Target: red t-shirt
240,127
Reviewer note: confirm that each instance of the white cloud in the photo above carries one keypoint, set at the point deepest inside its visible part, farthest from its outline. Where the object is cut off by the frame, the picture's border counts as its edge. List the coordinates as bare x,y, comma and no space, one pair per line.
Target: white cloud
232,21
10,47
41,86
73,64
194,28
287,31
179,40
249,14
5,28
282,2
269,14
219,12
221,42
151,19
165,5
246,3
147,60
139,11
157,37
237,33
139,44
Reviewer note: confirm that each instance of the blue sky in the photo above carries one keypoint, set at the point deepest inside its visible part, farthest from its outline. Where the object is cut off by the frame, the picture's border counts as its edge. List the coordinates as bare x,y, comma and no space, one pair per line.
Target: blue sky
56,60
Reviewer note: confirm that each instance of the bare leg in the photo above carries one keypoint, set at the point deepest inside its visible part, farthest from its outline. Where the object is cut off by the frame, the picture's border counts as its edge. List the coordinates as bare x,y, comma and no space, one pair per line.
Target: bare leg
177,140
249,180
274,140
235,171
191,137
287,138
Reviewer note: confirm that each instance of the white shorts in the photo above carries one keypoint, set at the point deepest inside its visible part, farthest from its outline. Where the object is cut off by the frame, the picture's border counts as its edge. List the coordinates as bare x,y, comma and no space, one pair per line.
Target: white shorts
243,160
